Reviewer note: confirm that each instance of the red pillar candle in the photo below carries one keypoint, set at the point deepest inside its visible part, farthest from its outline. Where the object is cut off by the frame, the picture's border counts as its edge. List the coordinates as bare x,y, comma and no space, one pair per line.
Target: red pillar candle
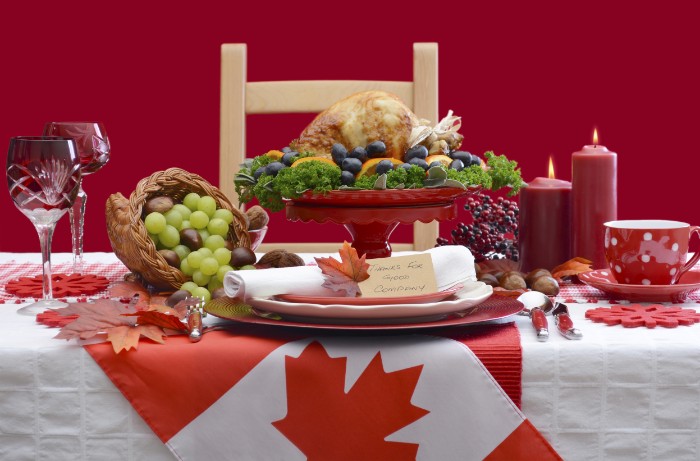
594,200
544,223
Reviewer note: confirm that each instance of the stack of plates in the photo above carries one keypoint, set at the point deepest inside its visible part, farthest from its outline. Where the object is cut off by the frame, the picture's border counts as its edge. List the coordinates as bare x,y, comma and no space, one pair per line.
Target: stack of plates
469,303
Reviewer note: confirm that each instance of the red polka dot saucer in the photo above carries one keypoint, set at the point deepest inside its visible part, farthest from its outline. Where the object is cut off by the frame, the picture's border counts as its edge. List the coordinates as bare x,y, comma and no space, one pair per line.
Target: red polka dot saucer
603,280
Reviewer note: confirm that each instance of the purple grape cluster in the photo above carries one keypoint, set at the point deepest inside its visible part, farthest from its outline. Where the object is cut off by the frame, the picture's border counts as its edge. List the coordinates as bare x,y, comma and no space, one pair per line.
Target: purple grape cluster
493,233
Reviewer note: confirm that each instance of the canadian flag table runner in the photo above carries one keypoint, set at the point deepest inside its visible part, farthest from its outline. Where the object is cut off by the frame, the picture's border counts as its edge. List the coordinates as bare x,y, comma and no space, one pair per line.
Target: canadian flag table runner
292,396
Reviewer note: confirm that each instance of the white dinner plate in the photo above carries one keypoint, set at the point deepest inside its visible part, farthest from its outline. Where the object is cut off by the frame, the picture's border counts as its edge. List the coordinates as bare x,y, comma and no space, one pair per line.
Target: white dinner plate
471,294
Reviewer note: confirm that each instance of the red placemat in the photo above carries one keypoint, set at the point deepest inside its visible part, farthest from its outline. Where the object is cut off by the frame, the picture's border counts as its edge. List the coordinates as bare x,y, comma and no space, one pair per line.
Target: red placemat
498,347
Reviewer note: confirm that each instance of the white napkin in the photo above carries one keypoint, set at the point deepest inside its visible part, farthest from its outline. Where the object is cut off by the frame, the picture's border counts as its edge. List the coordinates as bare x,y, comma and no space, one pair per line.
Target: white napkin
453,264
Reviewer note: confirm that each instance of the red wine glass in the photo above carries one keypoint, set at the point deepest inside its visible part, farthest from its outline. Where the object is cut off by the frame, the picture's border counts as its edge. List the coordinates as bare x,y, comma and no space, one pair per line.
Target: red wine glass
43,178
93,147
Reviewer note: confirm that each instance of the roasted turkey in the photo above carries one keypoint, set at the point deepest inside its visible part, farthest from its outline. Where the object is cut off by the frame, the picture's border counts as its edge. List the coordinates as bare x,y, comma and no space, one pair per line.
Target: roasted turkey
358,120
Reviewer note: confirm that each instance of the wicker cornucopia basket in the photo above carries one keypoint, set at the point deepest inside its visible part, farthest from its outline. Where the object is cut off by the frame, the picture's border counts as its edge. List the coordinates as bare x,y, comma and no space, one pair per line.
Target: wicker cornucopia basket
128,235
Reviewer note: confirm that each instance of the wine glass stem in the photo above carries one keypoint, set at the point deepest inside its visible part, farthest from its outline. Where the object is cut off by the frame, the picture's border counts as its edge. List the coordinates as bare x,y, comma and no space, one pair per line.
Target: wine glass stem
45,232
77,219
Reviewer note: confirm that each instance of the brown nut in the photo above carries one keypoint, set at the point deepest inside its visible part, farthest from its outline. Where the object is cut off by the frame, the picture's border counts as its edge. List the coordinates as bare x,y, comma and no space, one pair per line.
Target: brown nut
512,280
257,217
281,258
170,257
535,274
176,297
242,256
489,279
218,293
191,239
477,269
159,204
547,285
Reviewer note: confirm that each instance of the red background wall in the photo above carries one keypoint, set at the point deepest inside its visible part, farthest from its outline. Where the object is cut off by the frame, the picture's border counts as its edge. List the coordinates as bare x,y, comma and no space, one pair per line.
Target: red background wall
529,82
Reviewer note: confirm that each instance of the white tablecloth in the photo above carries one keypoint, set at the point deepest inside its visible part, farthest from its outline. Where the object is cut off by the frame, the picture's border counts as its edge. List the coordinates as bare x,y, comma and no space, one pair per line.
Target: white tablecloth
617,394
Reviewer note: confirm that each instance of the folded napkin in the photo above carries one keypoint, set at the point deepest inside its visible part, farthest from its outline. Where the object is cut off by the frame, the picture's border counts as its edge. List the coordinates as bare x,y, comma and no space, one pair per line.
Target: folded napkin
453,264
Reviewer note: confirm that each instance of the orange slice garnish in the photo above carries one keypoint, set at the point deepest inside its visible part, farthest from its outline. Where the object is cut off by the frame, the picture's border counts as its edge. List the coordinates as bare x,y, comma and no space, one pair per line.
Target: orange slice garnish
314,159
442,158
370,166
276,154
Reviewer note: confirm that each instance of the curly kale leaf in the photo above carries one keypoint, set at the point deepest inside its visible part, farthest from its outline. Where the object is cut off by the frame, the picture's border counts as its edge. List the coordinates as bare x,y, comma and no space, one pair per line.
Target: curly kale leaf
471,176
504,173
412,177
319,177
268,197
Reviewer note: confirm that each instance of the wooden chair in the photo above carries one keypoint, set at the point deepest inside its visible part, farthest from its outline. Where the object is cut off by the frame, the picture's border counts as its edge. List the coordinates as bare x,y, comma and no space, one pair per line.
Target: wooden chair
240,98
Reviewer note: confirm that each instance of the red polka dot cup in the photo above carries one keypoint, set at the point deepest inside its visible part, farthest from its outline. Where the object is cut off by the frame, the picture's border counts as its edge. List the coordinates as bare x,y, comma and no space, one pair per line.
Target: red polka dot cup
648,252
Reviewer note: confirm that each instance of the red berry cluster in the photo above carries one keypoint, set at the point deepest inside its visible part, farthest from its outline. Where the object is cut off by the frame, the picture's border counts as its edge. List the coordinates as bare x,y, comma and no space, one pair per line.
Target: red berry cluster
493,233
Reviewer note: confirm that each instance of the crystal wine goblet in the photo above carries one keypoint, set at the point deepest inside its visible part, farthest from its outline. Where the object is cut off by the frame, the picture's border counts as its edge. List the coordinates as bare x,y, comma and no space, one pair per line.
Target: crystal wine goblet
93,147
43,178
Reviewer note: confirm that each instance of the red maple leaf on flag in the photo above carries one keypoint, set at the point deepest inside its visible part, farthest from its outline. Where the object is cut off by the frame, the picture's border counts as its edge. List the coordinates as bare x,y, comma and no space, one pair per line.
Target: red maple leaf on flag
325,422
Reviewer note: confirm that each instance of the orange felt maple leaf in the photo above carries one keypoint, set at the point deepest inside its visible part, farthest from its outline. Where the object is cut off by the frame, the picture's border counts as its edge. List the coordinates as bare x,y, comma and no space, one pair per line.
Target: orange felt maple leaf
122,324
344,275
325,422
131,291
573,266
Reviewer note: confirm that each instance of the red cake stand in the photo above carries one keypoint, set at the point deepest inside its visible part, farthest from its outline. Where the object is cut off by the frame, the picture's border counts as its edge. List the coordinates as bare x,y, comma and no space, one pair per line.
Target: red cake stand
372,215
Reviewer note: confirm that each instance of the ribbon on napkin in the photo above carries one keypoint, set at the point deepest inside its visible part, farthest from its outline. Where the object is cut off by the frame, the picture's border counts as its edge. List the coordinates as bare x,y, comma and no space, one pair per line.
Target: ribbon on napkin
453,264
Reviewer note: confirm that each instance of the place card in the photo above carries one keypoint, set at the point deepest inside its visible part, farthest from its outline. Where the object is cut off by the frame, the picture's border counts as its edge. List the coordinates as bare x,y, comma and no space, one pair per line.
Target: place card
400,276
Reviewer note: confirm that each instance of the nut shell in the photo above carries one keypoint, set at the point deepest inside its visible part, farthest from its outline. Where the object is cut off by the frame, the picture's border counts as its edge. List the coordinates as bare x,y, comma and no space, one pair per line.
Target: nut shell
489,279
547,285
159,204
535,274
257,217
170,257
242,256
512,280
281,258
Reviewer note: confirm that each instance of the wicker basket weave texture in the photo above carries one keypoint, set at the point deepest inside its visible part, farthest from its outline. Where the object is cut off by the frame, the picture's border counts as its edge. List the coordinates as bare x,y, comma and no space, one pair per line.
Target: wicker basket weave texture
128,235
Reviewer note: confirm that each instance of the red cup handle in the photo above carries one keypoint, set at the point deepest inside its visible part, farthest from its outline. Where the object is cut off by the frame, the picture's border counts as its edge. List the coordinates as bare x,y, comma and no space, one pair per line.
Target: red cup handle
694,260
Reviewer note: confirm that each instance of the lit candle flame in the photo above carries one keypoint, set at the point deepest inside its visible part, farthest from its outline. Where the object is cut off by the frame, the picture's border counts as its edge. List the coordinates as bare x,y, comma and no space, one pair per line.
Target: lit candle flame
551,168
595,136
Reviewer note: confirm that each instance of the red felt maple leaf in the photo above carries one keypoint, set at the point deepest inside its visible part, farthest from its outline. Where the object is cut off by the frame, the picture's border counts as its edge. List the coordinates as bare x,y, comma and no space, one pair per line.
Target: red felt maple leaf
325,422
344,275
636,315
62,285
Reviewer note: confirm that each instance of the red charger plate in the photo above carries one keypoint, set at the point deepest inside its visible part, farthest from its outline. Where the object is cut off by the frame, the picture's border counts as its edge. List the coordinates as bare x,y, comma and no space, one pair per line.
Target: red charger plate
494,308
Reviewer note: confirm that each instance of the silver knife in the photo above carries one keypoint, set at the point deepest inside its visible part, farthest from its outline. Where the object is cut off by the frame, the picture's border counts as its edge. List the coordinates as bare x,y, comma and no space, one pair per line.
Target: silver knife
563,321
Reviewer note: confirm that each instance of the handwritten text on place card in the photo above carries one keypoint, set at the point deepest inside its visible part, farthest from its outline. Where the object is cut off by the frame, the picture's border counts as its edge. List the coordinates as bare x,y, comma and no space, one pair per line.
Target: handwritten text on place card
400,276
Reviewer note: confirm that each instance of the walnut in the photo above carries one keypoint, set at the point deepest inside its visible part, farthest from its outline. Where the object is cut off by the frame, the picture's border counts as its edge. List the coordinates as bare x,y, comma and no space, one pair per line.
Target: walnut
281,258
257,217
